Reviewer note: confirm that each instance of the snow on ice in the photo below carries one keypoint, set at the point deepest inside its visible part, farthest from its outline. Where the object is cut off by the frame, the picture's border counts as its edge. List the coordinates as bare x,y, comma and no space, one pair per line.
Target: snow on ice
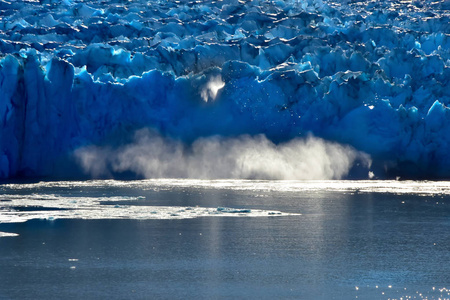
80,79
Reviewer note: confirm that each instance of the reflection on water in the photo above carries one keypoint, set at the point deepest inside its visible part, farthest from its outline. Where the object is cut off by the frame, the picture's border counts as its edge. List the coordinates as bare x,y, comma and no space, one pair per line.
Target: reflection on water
335,243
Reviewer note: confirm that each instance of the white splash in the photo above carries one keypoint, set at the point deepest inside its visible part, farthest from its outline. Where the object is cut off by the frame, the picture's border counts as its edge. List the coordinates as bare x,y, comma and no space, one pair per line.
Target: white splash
244,157
210,90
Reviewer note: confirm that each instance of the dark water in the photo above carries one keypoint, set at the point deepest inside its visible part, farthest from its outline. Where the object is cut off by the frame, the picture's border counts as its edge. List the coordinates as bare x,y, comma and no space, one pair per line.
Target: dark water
343,246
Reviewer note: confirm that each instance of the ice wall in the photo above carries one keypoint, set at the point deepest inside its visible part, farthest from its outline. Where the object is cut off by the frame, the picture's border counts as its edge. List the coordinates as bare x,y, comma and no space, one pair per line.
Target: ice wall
370,74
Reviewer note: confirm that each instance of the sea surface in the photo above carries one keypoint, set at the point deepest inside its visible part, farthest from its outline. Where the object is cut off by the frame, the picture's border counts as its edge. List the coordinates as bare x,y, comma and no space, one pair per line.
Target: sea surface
225,239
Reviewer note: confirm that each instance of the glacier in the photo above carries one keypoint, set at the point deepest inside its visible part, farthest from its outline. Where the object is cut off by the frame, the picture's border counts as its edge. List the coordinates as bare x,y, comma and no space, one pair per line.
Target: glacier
80,80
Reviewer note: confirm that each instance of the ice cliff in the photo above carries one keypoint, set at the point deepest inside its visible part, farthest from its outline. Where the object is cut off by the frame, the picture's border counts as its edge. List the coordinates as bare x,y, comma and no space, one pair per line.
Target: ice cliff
362,76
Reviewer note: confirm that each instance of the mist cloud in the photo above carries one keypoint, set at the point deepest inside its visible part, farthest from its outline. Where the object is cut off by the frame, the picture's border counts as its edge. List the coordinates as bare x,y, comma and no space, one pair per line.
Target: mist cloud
244,157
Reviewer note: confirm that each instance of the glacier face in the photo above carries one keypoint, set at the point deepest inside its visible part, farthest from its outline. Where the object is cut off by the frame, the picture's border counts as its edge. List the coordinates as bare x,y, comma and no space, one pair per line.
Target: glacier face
80,74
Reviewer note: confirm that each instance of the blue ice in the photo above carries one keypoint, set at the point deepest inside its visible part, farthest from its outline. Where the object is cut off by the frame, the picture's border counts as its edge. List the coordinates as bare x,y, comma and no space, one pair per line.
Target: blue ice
76,73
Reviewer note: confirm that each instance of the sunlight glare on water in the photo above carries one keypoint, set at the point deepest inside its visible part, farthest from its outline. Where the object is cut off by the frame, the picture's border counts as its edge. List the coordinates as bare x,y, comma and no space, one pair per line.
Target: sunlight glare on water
270,239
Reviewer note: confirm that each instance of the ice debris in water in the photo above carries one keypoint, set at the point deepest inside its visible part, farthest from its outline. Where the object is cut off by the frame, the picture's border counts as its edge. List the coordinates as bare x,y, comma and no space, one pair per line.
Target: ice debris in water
233,210
53,207
8,234
371,74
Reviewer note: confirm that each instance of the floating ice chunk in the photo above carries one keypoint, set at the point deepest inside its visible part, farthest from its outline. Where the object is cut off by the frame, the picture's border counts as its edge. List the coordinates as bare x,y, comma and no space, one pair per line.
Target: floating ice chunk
7,234
233,210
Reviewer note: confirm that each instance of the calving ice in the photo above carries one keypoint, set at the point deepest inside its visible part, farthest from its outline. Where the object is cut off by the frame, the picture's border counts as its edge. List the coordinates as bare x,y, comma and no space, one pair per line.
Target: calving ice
177,88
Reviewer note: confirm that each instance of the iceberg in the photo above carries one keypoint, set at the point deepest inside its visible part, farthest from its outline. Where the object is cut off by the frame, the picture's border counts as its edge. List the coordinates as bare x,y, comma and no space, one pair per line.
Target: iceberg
79,79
